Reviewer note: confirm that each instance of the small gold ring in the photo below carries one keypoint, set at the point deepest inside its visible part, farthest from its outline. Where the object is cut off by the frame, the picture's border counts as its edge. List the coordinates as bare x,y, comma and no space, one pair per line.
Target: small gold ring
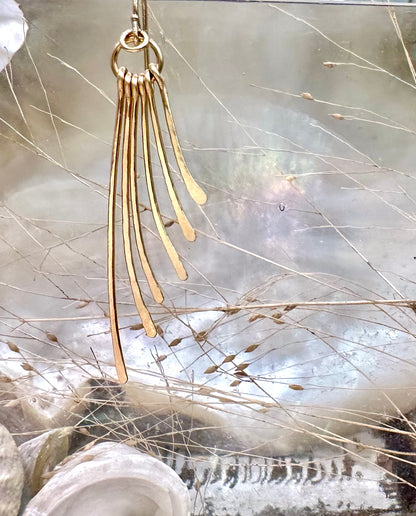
140,47
141,36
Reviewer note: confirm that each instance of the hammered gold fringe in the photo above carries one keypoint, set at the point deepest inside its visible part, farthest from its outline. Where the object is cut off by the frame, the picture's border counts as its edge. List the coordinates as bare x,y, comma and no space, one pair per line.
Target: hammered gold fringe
136,101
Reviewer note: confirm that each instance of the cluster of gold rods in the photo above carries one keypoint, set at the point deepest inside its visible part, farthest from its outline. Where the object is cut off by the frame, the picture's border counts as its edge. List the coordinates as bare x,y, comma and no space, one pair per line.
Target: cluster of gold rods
135,101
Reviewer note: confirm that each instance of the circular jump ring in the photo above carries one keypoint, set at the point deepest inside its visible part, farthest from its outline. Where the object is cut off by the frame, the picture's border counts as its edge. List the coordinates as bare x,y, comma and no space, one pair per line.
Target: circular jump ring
142,36
140,47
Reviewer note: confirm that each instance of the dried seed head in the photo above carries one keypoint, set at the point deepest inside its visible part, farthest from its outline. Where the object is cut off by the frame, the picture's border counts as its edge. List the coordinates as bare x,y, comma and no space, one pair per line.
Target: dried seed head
201,336
255,317
251,348
306,95
229,358
337,116
277,318
175,342
328,64
51,337
242,366
232,311
288,308
235,383
226,400
87,458
296,387
161,358
205,390
13,347
131,442
65,460
211,369
89,445
27,367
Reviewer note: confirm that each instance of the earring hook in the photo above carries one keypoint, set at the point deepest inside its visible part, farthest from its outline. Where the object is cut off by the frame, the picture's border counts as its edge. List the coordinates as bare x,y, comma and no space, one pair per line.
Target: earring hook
143,8
135,18
145,27
137,26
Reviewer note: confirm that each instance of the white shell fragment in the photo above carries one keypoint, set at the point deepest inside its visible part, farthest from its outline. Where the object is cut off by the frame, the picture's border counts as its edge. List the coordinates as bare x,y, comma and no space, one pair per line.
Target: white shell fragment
41,454
112,479
11,475
13,28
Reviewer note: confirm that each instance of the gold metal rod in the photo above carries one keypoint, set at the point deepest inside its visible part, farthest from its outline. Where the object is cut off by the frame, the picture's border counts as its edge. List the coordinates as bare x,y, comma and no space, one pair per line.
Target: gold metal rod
145,27
153,285
115,334
195,191
135,18
172,253
144,314
186,227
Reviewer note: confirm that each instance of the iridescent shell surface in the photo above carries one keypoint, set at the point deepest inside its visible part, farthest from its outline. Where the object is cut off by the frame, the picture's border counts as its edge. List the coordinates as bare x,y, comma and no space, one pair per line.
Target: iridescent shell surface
11,475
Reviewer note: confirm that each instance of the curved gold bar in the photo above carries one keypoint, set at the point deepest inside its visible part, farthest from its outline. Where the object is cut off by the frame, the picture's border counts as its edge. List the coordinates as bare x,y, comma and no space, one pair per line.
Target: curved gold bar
172,253
195,191
153,285
126,168
184,223
115,335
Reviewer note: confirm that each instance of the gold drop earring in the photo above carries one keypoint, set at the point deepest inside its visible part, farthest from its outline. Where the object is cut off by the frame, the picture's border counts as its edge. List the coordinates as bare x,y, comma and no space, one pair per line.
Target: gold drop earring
137,112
